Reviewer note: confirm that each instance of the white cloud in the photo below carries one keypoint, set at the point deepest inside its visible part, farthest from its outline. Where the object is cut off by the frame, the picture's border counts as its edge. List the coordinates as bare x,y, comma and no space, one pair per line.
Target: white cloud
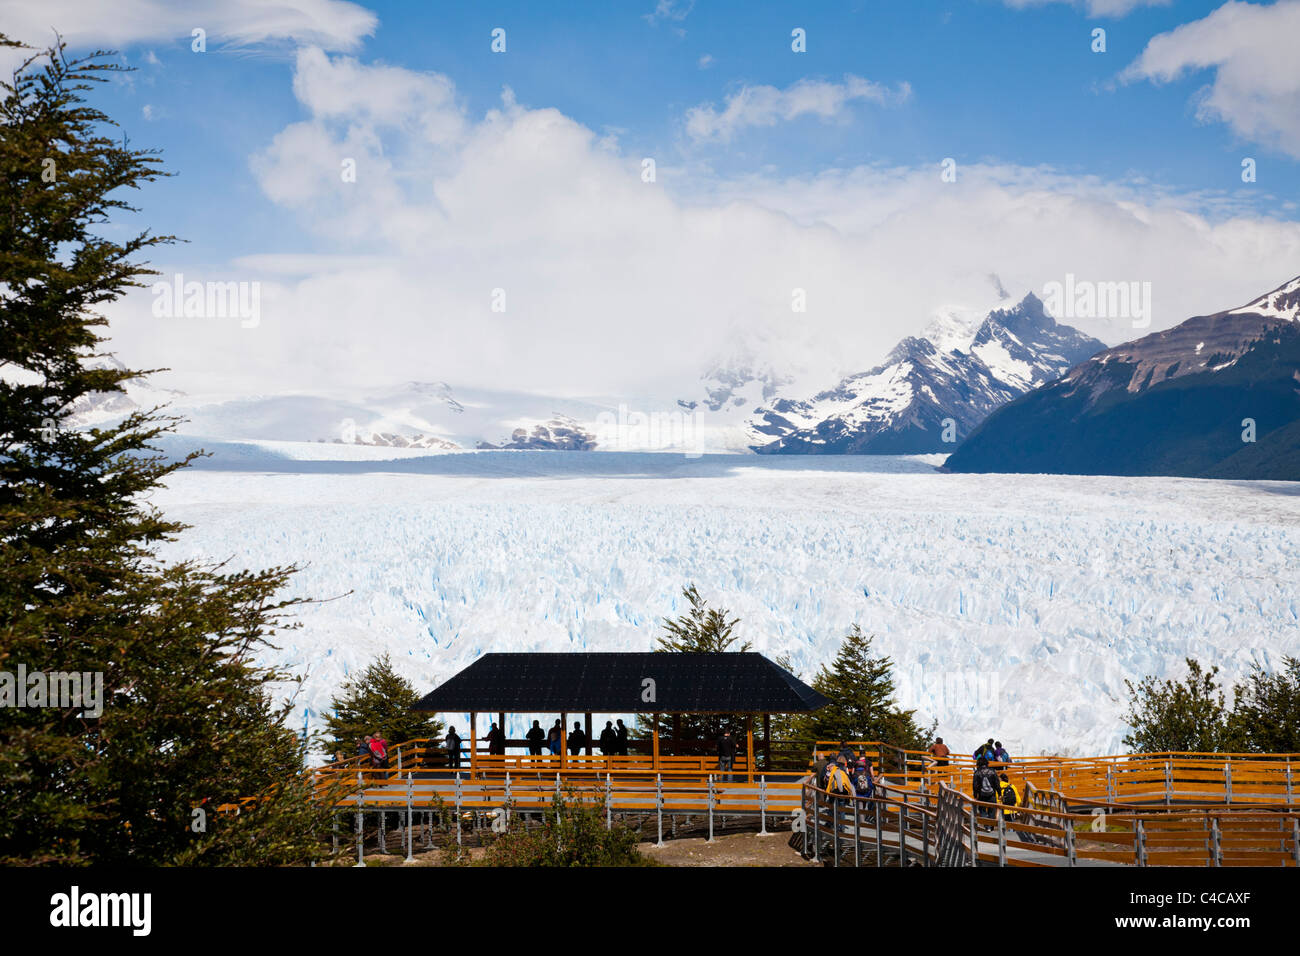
669,10
1252,49
767,105
147,111
1095,8
620,287
332,24
705,61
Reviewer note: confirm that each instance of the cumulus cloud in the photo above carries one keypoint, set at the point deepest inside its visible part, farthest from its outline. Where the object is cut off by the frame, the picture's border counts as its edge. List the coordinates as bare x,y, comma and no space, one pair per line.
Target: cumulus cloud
1252,50
619,287
767,105
1095,8
669,10
331,24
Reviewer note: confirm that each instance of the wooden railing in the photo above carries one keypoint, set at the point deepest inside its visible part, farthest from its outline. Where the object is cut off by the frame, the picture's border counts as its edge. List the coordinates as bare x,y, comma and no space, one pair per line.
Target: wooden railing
1145,810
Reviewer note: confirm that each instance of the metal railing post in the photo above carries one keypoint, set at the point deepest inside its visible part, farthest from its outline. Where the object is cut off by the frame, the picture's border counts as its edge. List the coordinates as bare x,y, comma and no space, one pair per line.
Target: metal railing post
659,806
1169,781
925,839
902,832
762,805
399,758
816,838
1140,841
1227,780
880,836
710,839
857,832
1288,781
835,830
1295,839
609,803
410,823
1070,858
1216,845
1002,838
974,838
458,810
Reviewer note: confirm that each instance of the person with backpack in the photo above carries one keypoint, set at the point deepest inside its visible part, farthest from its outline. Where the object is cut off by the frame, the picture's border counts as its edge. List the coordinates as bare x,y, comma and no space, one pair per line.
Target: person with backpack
535,737
985,786
1000,753
847,755
838,782
985,751
1009,797
379,751
864,782
609,739
453,748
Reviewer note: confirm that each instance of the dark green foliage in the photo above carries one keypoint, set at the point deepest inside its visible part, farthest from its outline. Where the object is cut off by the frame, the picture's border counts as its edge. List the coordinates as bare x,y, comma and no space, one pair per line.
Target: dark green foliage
860,688
187,720
1177,716
572,834
1266,711
377,700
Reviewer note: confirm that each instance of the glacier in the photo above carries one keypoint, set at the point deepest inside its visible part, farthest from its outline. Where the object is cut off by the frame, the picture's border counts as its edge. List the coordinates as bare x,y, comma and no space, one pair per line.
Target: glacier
1014,606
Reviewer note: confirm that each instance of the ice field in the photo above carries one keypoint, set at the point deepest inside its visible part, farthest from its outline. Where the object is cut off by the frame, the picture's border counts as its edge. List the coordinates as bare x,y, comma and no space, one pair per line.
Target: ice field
1013,606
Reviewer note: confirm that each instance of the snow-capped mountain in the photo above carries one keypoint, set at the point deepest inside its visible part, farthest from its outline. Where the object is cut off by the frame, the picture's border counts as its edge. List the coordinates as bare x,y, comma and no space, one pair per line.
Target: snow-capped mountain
930,391
1216,396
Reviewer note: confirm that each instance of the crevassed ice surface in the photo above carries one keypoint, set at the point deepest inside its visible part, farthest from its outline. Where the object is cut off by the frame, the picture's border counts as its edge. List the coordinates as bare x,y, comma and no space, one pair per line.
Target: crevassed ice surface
1013,605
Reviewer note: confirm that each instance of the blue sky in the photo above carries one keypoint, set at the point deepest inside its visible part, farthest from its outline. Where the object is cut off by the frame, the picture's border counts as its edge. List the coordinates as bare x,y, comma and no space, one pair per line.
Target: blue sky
1050,132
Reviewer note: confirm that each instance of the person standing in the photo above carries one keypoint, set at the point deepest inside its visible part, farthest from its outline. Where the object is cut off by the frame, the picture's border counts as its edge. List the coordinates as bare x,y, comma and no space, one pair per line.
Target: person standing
553,739
622,739
577,739
609,739
536,737
453,748
985,786
379,751
496,740
939,751
726,755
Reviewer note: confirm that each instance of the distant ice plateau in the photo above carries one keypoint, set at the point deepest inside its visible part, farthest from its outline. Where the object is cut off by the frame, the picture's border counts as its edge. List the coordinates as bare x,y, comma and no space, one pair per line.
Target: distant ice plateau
1013,605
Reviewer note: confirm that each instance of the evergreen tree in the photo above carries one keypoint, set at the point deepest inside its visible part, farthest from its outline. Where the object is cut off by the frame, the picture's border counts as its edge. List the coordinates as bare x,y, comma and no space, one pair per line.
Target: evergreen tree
187,722
378,699
701,630
1266,711
860,688
1177,716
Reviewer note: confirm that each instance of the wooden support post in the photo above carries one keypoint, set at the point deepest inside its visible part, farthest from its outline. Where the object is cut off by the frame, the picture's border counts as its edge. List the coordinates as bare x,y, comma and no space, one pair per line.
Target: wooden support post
677,733
654,745
564,740
749,746
587,728
473,740
501,726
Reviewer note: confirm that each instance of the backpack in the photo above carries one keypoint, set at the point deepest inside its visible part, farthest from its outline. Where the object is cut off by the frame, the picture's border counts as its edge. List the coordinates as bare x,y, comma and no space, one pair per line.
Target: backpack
987,789
1009,795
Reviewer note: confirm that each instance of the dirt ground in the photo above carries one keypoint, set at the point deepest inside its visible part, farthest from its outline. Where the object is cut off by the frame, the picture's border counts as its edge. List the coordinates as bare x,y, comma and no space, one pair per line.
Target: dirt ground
733,849
736,849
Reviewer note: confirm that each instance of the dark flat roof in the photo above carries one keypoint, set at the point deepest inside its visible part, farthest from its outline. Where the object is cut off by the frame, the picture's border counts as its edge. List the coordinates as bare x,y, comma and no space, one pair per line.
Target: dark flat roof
723,683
